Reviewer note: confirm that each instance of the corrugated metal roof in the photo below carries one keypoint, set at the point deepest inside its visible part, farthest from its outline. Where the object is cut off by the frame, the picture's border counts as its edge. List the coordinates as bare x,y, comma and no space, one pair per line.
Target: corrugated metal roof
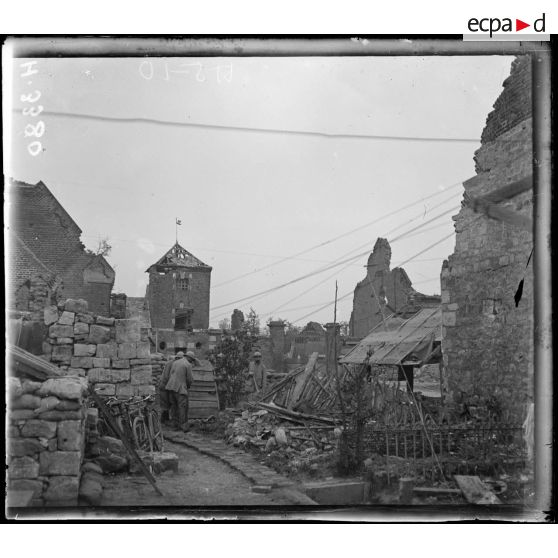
415,335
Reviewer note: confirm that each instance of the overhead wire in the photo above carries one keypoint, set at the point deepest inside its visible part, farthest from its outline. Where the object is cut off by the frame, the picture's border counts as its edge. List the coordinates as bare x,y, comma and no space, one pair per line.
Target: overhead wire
334,239
328,267
250,129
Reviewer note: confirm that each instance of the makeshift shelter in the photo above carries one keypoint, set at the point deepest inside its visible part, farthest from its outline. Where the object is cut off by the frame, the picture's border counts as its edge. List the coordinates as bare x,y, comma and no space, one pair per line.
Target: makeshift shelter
404,344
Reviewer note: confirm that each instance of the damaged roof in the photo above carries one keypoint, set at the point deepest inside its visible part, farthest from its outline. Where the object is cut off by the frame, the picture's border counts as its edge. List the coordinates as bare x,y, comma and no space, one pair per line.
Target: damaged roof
179,257
413,338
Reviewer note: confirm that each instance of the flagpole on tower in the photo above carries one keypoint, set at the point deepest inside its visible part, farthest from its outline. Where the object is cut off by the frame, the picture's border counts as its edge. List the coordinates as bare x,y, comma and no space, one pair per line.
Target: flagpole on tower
177,222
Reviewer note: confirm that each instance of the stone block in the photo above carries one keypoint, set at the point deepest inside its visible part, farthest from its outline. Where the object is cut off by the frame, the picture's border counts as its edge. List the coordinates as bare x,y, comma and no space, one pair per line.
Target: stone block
445,297
13,432
19,447
99,334
85,318
121,363
63,415
60,330
81,328
36,486
140,361
69,435
64,388
30,386
39,429
143,350
23,468
64,341
105,389
17,415
107,350
60,462
127,331
61,354
452,307
76,372
63,489
124,390
126,350
67,318
338,492
141,375
76,305
101,320
99,362
81,362
91,491
107,375
26,401
50,315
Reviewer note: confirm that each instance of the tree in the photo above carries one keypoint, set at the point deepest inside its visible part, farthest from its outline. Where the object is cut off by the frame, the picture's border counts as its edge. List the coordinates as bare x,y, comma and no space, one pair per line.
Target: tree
252,323
103,247
231,368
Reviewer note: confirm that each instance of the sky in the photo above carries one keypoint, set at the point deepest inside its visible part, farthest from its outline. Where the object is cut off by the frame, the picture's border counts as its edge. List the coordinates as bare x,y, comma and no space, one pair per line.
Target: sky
249,199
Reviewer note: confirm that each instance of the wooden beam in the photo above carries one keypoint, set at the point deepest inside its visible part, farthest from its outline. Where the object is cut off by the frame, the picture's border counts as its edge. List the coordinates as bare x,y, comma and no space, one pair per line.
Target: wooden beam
301,380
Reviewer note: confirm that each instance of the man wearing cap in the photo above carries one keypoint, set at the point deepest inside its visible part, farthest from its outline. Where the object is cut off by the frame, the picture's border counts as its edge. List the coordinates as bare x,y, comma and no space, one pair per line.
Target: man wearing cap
180,380
257,372
164,398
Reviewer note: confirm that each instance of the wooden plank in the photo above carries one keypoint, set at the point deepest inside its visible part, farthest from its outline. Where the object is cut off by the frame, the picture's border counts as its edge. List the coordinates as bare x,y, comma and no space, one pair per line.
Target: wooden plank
301,380
475,491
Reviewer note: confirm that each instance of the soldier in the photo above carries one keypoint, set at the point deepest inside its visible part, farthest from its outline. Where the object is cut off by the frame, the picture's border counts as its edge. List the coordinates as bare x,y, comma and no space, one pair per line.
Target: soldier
257,372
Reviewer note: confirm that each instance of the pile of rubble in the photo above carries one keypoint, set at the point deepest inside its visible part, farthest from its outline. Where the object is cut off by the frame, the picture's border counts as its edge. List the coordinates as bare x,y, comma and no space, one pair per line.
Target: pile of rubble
288,447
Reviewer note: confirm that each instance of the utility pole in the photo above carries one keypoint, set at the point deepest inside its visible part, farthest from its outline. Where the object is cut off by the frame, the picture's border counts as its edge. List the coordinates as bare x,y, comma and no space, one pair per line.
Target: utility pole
335,331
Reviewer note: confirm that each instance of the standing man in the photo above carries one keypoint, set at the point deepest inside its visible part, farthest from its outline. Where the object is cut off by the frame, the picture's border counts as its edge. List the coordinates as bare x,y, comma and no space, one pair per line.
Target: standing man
257,372
180,380
164,399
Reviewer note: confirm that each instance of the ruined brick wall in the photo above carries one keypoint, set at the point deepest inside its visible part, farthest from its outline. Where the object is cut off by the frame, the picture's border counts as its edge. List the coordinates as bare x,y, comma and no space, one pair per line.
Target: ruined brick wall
114,355
487,341
46,237
45,438
165,298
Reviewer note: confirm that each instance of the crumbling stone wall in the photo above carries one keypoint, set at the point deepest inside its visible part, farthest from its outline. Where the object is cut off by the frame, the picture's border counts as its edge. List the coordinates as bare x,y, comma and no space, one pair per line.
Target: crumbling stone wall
112,354
488,342
383,292
46,437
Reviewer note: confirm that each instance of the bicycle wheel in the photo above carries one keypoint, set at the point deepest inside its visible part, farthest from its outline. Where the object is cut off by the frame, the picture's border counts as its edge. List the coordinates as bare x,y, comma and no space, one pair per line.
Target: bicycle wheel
141,435
155,430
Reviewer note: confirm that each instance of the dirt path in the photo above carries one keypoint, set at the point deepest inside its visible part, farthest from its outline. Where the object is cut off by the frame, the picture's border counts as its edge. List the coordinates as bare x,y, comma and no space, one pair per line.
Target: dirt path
200,481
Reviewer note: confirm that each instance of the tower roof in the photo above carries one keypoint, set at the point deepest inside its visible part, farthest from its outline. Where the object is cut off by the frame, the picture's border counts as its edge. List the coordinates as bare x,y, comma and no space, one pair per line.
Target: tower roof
180,257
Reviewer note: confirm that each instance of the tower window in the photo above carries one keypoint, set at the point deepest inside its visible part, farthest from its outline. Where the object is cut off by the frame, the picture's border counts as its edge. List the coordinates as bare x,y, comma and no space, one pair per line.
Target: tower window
183,284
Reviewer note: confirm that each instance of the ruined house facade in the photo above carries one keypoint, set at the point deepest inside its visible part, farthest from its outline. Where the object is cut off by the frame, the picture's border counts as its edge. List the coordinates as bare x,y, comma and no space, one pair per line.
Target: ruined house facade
46,258
488,341
178,291
384,292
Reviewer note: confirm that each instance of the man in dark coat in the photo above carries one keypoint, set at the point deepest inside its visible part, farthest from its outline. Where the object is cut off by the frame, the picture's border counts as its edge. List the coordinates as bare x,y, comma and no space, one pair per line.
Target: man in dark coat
164,399
180,380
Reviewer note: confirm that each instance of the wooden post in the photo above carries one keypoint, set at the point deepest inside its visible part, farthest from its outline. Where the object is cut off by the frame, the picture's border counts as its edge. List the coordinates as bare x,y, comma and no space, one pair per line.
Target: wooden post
406,485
